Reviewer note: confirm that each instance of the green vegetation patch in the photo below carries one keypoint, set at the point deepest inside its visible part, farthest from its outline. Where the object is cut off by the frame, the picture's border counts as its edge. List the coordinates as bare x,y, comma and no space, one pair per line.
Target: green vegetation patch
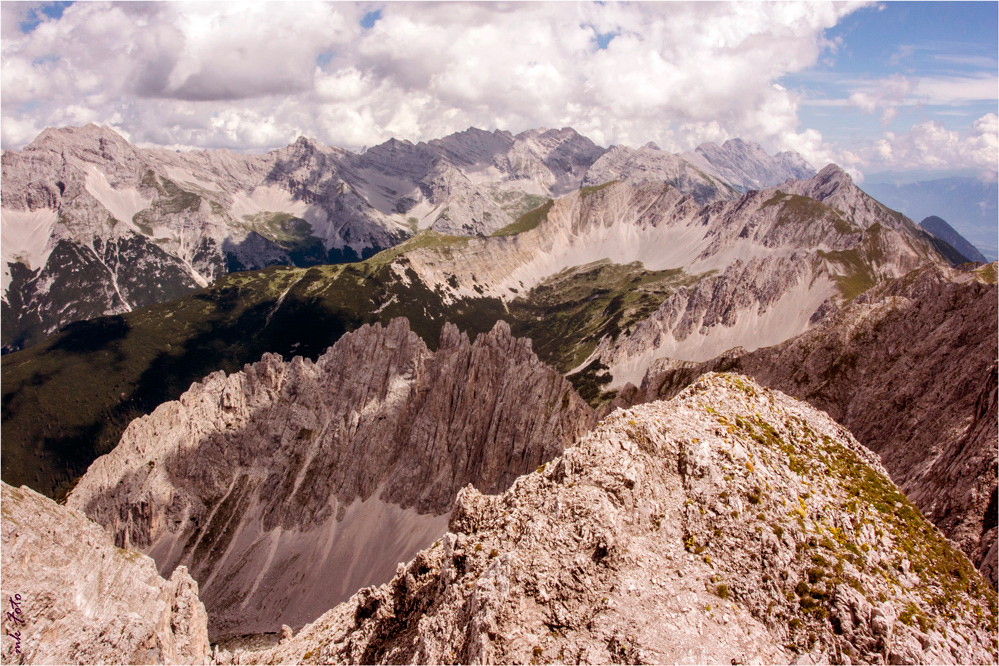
424,240
172,200
856,264
798,210
567,314
527,221
516,203
592,189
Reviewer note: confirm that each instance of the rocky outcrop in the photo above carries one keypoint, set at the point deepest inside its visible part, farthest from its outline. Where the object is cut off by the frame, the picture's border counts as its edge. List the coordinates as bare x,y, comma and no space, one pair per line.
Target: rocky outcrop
730,525
746,166
286,487
649,163
71,597
910,368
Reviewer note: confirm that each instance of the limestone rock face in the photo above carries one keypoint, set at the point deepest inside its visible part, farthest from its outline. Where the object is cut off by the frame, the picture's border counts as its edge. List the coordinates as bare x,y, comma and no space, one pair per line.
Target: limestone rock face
649,163
286,487
85,601
731,525
773,263
910,368
746,166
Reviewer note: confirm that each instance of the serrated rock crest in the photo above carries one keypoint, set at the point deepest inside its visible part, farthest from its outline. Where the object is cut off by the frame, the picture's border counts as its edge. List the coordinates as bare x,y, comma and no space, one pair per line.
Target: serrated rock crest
269,483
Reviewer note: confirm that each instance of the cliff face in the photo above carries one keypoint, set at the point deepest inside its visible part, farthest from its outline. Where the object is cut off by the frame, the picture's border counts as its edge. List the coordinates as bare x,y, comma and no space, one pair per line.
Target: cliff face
84,601
910,369
731,525
286,487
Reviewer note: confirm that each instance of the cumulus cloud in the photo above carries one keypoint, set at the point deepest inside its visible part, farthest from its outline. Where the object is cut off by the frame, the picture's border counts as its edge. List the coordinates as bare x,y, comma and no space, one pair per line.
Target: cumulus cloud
253,75
930,145
885,94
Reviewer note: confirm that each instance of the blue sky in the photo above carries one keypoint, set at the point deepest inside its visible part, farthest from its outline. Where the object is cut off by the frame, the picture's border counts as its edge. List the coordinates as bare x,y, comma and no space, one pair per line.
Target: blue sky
953,45
873,87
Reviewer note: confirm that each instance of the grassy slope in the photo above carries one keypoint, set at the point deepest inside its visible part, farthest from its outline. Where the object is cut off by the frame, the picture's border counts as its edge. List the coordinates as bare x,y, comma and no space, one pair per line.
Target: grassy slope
567,314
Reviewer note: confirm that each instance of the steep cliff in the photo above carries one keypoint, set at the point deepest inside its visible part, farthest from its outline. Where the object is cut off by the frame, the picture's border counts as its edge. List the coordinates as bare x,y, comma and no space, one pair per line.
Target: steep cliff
910,368
286,487
731,525
72,597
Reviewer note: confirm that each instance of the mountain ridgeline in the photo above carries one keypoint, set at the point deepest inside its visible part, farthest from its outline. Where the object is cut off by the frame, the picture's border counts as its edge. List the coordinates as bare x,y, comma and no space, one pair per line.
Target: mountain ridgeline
939,228
910,368
319,478
763,248
93,225
606,280
312,365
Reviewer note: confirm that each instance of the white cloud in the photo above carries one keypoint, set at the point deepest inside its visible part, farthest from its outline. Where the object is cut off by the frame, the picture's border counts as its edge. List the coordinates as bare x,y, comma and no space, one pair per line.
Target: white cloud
885,94
245,75
930,145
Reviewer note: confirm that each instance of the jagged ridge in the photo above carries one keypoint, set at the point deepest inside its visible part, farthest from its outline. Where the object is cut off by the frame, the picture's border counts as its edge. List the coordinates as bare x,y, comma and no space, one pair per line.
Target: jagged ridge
730,524
910,368
84,601
287,486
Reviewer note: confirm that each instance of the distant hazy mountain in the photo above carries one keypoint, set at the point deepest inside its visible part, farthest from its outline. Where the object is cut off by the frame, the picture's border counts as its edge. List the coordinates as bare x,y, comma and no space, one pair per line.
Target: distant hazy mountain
939,228
746,166
968,204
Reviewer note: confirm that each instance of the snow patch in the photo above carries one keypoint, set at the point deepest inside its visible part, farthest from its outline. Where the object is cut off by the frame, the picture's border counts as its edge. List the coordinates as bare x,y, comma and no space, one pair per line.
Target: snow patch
24,237
123,204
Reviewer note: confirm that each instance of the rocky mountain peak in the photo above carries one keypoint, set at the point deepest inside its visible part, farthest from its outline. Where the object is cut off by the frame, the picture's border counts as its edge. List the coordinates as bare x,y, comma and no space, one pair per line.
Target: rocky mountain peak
746,165
84,601
832,174
731,524
374,438
87,134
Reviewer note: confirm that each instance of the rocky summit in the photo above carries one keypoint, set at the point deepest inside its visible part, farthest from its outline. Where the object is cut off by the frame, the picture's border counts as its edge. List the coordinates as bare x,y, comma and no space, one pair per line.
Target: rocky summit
910,368
732,524
286,487
72,597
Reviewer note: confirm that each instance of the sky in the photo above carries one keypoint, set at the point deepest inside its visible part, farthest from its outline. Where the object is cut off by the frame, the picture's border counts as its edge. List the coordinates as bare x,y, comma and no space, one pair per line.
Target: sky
873,87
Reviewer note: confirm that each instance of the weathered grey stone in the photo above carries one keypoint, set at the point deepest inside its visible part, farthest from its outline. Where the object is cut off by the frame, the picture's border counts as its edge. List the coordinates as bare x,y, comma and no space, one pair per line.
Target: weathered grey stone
84,601
910,368
632,547
288,486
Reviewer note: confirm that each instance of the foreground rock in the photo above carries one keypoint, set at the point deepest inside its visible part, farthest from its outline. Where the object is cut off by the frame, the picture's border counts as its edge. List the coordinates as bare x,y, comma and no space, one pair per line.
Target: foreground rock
910,369
84,601
288,486
730,525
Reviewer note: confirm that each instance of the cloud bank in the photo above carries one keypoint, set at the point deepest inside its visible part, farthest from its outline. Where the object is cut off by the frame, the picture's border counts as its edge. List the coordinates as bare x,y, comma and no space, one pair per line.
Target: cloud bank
253,76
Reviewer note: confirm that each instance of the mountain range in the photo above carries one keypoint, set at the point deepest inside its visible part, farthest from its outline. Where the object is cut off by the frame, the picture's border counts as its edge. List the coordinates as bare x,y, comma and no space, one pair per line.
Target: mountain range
93,225
506,362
